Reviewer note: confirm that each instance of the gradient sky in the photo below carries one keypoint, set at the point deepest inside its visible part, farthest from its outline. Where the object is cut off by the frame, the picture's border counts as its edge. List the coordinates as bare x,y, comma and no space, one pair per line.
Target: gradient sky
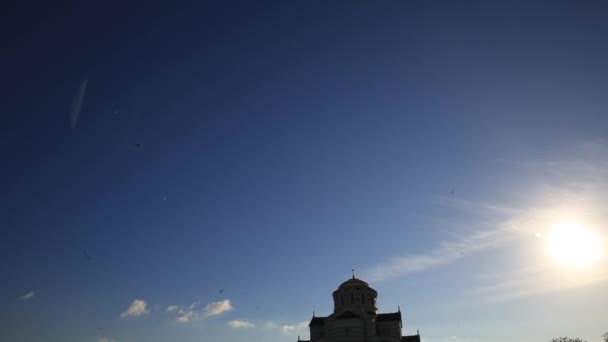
284,143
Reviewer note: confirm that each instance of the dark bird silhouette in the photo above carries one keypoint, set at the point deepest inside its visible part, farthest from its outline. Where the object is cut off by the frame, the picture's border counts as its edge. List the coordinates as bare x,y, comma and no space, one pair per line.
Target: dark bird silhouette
137,145
452,192
222,290
88,257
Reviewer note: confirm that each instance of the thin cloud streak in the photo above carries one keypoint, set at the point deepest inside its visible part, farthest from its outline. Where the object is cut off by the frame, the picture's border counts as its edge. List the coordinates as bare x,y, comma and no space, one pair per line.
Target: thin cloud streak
241,324
445,253
539,279
565,190
28,295
77,106
105,339
270,325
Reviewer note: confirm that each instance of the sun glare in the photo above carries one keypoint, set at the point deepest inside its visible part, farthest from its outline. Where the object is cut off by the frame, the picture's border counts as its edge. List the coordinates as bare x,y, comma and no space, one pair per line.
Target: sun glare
573,246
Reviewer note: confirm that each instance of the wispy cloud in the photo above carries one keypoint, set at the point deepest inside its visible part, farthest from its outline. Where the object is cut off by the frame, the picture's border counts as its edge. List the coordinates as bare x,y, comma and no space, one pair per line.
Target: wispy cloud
445,253
172,308
77,105
188,313
270,325
137,308
28,295
186,316
105,339
192,313
539,278
241,324
572,188
298,326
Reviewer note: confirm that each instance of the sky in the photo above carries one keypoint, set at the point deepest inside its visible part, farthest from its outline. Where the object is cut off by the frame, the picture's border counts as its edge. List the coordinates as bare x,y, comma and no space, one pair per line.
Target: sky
206,171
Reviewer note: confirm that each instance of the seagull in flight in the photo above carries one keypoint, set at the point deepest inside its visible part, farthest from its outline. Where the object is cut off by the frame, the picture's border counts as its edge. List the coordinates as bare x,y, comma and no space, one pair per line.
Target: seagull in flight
137,145
222,290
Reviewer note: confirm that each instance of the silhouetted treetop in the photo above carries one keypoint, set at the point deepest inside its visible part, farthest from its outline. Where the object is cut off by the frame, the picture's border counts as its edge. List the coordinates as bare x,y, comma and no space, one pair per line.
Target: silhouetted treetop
567,339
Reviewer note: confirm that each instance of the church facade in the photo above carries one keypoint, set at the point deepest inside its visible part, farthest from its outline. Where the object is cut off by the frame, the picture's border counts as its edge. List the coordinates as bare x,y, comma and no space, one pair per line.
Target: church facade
356,318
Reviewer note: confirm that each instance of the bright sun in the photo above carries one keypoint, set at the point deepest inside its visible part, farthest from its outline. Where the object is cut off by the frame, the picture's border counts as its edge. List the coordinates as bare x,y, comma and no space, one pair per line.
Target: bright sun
573,246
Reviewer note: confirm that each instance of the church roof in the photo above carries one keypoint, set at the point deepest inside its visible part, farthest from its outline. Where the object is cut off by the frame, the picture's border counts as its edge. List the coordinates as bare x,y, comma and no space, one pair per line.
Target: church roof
388,317
317,321
354,282
413,338
348,314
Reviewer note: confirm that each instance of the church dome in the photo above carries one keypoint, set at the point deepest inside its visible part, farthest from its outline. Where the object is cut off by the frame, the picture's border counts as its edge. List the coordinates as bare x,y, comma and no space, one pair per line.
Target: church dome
355,295
354,282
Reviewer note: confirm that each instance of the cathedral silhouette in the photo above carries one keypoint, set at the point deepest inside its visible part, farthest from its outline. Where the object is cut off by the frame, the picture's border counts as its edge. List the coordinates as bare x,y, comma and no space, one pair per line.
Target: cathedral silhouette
355,318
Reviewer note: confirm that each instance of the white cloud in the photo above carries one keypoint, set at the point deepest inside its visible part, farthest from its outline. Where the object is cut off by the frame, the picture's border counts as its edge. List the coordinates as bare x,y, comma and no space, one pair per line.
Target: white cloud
190,313
187,316
137,308
28,295
241,324
105,339
289,328
172,308
217,308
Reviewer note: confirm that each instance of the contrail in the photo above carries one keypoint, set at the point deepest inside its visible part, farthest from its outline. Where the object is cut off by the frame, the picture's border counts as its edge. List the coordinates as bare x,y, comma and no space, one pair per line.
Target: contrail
28,295
78,103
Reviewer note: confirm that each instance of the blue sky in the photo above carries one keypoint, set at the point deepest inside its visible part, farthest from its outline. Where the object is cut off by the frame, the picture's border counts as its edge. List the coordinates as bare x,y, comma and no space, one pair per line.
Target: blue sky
282,144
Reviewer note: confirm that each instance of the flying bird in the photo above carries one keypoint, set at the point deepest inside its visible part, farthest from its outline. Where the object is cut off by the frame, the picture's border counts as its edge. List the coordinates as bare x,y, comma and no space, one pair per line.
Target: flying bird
452,192
88,257
222,290
137,145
